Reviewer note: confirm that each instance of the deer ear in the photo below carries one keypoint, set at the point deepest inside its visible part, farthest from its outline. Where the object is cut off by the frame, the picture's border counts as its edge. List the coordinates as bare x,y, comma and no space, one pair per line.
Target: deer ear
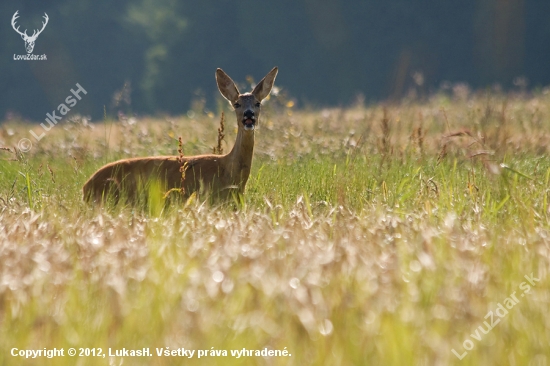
227,86
263,88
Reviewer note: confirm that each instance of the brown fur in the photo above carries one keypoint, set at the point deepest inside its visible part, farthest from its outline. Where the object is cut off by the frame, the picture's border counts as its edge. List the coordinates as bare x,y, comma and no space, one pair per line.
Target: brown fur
219,174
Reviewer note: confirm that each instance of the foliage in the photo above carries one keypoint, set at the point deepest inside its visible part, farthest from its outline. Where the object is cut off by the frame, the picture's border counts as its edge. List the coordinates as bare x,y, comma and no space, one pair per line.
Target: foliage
330,50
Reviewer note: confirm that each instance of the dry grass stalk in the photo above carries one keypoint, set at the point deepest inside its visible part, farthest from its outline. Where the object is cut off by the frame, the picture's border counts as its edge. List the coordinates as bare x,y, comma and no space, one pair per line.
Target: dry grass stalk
221,135
442,153
420,134
183,168
446,119
459,133
51,173
418,138
502,130
183,164
385,139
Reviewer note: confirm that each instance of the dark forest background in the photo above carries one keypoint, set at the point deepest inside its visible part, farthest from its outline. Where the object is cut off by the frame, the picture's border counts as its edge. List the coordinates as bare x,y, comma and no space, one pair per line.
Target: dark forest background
158,56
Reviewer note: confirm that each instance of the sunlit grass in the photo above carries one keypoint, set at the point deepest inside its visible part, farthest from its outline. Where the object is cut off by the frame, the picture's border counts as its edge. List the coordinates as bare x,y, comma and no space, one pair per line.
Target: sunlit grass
361,239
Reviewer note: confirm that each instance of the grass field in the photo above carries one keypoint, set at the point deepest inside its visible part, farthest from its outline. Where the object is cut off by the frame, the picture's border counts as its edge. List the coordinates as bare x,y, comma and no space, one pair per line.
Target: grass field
394,234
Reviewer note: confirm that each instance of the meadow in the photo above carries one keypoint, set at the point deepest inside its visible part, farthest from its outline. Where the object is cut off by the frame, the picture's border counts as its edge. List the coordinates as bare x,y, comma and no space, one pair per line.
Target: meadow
398,233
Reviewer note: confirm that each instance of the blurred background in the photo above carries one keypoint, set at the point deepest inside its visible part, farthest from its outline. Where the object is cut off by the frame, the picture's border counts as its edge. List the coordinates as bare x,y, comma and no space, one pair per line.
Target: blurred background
156,57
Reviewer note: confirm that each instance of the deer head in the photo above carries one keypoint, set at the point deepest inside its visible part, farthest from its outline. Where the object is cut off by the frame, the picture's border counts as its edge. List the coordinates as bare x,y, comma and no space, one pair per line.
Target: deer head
247,105
29,41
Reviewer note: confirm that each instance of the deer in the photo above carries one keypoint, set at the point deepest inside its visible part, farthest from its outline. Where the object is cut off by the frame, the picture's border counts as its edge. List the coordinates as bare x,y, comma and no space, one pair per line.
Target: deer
29,41
221,175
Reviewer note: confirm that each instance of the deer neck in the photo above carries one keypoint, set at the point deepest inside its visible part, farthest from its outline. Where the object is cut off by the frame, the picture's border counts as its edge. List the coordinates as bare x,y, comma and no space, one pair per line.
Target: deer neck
240,157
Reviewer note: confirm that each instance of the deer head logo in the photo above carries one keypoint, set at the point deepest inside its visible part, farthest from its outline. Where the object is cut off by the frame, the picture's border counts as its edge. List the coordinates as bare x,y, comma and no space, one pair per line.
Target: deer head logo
29,41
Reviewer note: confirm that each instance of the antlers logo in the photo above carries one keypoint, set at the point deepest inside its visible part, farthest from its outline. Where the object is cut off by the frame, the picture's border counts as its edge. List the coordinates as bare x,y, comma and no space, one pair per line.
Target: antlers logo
29,40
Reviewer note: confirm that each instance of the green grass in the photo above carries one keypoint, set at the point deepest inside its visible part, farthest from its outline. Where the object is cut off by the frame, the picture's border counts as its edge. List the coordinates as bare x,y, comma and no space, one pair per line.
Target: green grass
361,240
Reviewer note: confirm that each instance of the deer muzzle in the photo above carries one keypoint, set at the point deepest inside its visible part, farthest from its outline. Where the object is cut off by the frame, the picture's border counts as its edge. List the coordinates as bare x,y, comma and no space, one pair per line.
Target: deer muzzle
249,119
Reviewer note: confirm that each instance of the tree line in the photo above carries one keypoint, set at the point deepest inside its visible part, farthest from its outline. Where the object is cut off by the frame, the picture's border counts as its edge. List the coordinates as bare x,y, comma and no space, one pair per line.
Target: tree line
151,57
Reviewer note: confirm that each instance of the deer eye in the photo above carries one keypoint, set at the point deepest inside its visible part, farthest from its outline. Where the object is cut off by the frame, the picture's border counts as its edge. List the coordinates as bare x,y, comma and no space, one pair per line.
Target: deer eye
258,104
237,105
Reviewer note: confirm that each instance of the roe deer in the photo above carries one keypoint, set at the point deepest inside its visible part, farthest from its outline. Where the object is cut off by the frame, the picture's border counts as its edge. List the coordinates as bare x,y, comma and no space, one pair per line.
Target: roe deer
219,173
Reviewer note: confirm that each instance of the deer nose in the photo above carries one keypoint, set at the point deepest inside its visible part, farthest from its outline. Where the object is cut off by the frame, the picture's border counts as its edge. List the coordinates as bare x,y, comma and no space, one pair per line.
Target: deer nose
249,114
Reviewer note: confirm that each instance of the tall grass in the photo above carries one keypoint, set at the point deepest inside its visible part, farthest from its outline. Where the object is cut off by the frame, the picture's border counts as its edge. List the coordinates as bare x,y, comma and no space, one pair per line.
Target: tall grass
378,235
